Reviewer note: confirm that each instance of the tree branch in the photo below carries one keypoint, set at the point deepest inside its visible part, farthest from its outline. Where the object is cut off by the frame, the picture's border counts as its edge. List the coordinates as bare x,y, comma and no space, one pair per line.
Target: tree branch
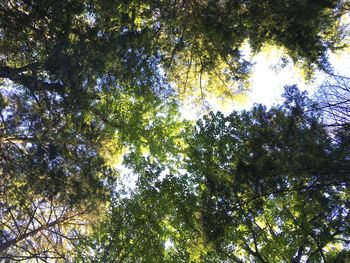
29,81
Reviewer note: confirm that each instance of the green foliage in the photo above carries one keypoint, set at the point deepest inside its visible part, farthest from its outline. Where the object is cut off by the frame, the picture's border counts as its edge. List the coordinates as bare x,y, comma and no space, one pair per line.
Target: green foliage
261,185
138,226
89,85
272,184
198,45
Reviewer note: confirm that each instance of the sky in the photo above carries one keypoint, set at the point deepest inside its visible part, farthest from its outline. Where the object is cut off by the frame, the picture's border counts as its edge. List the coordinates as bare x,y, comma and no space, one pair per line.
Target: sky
268,80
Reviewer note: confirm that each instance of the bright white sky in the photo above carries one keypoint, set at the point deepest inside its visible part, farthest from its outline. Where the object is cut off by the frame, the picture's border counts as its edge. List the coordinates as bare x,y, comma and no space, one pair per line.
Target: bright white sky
268,80
268,83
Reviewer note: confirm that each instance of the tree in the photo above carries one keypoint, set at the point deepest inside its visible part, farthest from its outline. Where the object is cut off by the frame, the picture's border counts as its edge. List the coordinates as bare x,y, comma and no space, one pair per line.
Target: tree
208,37
50,177
273,186
66,120
333,99
153,223
39,229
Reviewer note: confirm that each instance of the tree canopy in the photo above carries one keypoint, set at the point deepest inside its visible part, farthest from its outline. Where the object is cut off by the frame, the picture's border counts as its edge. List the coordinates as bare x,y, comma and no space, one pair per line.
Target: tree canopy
273,187
89,88
260,185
